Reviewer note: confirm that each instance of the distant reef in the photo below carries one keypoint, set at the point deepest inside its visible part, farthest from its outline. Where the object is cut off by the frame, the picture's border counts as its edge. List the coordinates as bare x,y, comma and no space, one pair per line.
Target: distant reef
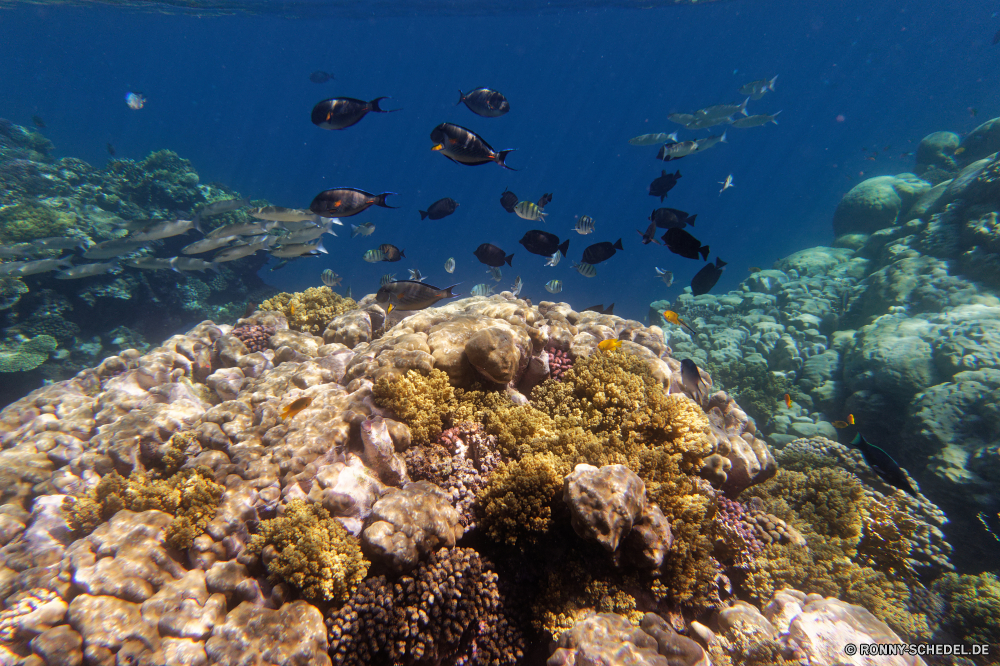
50,329
897,324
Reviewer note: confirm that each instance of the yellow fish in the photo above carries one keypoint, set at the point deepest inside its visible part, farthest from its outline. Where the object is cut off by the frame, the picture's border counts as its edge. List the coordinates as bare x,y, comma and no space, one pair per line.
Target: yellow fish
676,320
959,150
291,309
295,407
840,424
609,345
788,401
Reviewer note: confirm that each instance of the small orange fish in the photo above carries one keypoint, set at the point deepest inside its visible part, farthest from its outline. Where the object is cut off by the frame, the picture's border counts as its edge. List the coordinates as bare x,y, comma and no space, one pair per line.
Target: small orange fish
295,407
840,424
676,320
291,309
609,345
788,401
850,419
960,150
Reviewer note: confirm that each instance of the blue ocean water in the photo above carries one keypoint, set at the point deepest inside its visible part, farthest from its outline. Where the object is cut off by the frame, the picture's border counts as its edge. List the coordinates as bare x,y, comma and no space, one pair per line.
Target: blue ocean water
232,93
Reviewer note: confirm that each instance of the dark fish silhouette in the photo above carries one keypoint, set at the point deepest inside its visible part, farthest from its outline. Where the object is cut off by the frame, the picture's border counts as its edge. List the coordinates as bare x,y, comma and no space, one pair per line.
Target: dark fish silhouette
544,200
705,279
996,38
111,150
508,200
650,235
691,378
670,218
346,201
601,309
883,464
390,252
39,123
464,146
598,252
440,208
493,256
319,76
412,295
543,243
485,102
342,112
681,242
663,184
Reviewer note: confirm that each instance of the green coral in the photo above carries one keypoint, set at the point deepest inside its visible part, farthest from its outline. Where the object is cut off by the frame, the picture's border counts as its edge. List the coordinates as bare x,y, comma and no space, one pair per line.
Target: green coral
11,290
518,503
311,551
311,310
974,607
28,355
757,389
25,222
190,495
422,402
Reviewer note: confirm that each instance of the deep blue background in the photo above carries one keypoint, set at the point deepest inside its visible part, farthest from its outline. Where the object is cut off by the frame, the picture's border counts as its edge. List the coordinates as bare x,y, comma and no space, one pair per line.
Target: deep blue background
233,95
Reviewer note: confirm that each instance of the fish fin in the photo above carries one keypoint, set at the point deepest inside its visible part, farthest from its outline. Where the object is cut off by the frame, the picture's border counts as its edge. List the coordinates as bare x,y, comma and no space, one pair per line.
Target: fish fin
502,155
722,139
773,118
423,214
320,248
618,244
196,223
704,252
743,107
677,174
770,85
402,253
390,309
610,310
380,200
375,108
858,441
508,259
564,247
449,292
690,220
719,263
461,98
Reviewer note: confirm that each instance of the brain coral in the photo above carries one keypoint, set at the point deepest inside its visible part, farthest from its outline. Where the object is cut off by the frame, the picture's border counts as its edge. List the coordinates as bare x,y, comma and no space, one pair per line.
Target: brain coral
312,551
311,310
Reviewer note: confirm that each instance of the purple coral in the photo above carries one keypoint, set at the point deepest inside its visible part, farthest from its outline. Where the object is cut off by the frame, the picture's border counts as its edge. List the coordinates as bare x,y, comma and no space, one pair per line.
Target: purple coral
559,362
737,532
256,338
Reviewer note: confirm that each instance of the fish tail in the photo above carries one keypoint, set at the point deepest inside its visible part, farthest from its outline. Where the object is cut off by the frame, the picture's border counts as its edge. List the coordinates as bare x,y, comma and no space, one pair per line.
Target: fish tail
461,98
618,244
508,259
690,220
423,214
719,263
380,200
375,108
402,253
773,118
448,291
743,106
501,156
723,138
704,253
564,247
196,223
770,86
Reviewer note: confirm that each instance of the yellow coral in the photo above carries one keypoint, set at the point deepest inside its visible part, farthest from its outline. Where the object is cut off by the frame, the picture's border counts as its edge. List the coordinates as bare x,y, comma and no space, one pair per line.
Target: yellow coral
312,551
421,402
26,222
311,310
516,506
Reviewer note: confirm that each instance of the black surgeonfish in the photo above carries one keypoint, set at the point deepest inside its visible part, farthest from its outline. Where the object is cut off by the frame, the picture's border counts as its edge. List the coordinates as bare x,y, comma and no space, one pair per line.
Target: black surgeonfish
544,200
600,309
650,235
346,201
342,112
663,184
38,121
543,243
439,209
508,200
493,256
681,242
412,295
598,252
668,218
883,465
484,102
705,279
464,146
692,379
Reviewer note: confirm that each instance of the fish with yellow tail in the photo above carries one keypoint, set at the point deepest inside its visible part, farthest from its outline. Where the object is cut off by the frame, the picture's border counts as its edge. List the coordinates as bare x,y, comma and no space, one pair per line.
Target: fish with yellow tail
609,345
295,407
676,320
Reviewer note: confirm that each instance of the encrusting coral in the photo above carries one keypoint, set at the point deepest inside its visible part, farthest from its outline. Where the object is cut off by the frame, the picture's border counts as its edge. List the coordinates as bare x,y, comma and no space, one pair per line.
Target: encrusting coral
312,551
190,495
311,310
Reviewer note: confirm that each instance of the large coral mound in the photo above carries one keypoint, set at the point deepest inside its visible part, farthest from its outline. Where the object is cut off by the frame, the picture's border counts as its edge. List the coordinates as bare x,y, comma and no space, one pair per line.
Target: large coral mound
974,605
311,310
312,551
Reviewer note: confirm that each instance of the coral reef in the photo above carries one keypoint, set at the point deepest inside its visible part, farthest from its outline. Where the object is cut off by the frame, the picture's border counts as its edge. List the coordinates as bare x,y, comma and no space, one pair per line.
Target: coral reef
27,355
973,607
311,310
421,402
312,551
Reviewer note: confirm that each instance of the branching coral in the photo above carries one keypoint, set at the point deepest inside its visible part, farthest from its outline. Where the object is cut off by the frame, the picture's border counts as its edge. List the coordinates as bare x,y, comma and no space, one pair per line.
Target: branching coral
449,611
312,551
517,505
974,605
28,355
310,310
30,221
423,402
190,495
